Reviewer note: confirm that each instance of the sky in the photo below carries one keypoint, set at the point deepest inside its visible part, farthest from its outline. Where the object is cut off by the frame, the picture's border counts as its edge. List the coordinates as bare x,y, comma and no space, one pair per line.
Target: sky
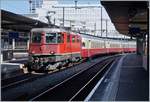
16,6
22,6
80,1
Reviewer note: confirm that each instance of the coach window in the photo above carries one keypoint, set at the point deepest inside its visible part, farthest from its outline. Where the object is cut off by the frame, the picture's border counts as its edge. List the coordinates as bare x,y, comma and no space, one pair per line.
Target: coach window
73,38
60,38
83,44
50,37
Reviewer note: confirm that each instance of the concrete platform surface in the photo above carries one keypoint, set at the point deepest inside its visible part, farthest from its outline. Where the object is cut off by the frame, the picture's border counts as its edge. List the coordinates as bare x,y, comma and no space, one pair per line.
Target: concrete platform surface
126,81
10,69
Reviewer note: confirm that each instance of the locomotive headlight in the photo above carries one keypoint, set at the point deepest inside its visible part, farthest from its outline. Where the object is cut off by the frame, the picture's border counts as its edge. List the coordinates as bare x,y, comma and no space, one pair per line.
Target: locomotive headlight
52,52
33,52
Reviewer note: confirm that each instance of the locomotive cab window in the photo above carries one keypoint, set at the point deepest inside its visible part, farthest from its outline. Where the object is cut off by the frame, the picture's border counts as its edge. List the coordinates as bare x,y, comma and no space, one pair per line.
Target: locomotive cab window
60,38
68,38
54,38
50,37
36,37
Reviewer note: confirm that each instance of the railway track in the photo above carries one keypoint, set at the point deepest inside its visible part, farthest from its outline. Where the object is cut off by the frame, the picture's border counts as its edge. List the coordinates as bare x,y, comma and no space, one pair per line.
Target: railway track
73,80
23,78
17,80
14,81
76,87
7,81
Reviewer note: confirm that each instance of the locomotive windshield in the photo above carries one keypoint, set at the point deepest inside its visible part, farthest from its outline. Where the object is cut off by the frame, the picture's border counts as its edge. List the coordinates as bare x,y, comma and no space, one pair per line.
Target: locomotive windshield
36,37
54,38
50,37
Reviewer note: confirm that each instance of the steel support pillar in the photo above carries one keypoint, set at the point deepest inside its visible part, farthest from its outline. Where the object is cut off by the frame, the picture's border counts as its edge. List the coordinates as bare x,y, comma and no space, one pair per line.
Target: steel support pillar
13,44
28,42
140,46
13,48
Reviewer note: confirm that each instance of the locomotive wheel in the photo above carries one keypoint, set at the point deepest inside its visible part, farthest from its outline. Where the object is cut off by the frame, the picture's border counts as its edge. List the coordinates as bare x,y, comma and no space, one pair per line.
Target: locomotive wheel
29,70
59,67
28,67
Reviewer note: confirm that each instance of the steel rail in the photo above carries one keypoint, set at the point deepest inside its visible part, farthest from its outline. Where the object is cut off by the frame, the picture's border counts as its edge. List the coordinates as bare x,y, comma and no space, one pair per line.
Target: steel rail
18,82
90,80
50,89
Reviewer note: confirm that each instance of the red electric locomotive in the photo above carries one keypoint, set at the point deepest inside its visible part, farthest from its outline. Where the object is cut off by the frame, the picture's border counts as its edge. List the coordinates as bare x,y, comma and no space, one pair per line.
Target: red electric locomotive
51,48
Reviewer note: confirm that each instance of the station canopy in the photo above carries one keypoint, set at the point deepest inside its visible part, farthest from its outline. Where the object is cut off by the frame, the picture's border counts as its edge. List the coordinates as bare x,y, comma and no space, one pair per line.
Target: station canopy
129,17
16,22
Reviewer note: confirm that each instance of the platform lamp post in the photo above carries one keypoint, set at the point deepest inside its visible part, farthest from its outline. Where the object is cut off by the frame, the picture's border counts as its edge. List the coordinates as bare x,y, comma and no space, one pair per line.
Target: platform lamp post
101,21
122,43
106,28
95,28
106,20
89,50
63,16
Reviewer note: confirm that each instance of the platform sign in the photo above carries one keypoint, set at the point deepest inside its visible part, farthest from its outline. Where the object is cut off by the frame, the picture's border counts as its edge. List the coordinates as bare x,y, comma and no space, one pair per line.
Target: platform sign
13,35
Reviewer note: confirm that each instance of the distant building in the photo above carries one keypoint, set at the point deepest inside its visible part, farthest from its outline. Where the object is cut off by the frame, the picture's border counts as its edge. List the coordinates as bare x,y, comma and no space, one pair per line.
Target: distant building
35,4
86,18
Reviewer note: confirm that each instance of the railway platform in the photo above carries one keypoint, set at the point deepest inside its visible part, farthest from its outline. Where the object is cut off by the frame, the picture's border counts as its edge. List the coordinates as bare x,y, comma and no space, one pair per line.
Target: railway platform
13,67
127,80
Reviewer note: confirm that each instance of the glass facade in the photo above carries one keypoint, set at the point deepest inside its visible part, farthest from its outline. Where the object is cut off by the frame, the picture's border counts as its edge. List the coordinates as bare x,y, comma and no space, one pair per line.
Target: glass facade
35,4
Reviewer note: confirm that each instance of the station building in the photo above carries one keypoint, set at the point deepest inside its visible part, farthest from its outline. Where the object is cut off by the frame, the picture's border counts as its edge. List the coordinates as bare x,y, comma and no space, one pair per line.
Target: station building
15,32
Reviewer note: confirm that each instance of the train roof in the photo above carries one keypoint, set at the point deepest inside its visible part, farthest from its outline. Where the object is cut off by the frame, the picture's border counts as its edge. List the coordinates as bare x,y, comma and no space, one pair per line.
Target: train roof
98,37
53,30
50,30
57,30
